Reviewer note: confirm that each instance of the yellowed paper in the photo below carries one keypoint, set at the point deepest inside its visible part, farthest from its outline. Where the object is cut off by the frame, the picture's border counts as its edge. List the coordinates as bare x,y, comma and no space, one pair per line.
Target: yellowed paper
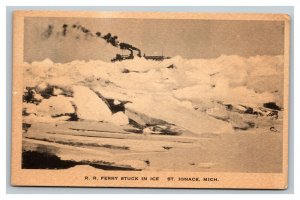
161,100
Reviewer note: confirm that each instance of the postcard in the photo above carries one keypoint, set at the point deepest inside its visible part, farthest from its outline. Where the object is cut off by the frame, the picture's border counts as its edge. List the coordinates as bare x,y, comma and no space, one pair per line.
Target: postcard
150,99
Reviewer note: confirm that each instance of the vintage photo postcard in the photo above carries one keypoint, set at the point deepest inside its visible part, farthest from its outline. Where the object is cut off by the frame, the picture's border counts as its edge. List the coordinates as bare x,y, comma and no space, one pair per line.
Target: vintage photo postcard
160,100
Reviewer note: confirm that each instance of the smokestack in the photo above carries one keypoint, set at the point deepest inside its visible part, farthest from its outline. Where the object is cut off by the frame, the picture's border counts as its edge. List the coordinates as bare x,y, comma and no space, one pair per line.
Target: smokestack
130,48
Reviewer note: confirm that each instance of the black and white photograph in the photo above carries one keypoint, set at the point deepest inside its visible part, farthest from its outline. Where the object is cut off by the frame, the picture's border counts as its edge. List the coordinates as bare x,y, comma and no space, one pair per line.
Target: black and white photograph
153,95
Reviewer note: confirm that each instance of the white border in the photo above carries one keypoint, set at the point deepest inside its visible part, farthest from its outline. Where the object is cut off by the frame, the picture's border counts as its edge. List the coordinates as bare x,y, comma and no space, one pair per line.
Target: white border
296,75
148,3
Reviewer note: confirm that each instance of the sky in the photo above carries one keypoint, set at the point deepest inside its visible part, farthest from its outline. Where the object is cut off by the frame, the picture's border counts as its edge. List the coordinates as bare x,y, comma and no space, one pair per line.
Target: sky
188,38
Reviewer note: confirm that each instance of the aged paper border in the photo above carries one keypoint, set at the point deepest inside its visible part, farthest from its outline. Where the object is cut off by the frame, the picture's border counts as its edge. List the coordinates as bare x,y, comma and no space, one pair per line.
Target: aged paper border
75,178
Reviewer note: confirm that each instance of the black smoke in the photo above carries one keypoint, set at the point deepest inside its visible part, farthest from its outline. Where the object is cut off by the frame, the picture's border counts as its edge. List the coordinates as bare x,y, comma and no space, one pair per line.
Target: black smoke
48,32
109,38
65,27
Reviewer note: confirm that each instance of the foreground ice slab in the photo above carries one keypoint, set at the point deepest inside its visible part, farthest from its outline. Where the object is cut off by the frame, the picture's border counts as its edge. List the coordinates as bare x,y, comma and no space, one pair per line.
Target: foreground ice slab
89,105
182,114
